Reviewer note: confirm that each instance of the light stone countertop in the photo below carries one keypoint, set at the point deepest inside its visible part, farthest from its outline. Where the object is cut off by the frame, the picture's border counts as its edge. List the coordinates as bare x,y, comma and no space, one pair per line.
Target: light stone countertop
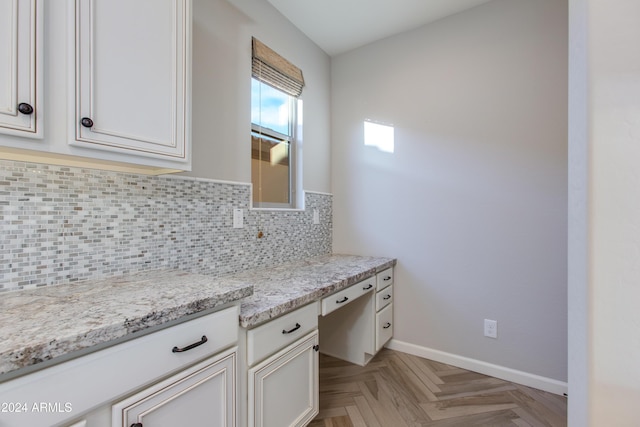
283,288
42,324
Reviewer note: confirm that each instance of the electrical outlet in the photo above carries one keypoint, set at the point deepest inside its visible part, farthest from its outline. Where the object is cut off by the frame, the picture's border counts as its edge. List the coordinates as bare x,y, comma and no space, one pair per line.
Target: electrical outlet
316,216
490,328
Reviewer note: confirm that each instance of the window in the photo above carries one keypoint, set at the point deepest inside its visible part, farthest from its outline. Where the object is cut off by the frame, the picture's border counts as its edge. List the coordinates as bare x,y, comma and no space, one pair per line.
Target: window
275,86
272,146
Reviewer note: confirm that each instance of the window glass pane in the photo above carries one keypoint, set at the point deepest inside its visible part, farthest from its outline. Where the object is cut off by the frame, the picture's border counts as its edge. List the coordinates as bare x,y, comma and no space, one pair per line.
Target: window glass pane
269,107
269,169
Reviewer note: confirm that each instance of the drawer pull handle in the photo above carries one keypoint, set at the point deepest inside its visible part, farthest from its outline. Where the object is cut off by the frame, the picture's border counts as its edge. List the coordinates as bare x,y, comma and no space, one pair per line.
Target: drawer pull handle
191,346
284,331
345,299
136,425
386,325
387,297
387,278
368,287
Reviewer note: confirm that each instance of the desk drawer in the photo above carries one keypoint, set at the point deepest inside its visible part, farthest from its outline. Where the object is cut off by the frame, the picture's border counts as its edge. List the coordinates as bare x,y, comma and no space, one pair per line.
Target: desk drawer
384,298
384,326
345,296
280,332
384,278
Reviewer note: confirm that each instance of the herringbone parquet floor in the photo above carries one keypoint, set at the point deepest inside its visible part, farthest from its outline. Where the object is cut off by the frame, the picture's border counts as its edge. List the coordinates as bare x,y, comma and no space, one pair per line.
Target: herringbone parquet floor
397,390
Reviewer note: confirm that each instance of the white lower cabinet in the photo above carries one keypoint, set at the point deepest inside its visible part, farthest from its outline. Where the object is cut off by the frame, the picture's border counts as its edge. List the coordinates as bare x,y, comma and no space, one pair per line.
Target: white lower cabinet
196,382
348,333
384,308
384,326
356,330
203,395
283,389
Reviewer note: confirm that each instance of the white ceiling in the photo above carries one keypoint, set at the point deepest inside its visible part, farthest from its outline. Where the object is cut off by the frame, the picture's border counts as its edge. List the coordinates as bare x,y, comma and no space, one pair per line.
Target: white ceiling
341,25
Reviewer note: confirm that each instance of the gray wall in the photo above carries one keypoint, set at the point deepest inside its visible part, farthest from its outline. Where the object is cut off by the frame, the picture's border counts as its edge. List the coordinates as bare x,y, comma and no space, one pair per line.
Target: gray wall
473,200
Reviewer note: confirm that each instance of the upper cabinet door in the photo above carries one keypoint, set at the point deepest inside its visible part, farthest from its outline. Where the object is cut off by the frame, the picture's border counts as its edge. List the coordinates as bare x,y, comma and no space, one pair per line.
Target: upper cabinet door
20,67
132,66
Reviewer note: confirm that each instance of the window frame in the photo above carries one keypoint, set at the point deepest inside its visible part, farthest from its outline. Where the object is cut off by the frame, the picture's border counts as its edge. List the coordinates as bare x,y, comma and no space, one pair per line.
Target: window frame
292,140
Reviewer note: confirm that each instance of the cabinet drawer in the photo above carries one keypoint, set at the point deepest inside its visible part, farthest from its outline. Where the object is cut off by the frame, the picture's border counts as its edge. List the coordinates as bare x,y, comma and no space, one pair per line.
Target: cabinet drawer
278,333
384,326
345,296
384,278
220,330
384,298
135,363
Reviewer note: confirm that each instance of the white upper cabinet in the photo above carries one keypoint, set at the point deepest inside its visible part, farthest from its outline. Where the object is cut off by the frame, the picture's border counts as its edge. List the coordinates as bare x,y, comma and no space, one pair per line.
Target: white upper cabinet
132,76
20,67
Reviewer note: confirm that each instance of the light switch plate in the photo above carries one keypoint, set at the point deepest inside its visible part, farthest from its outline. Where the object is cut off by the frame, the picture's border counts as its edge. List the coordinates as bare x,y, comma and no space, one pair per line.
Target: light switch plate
316,216
238,218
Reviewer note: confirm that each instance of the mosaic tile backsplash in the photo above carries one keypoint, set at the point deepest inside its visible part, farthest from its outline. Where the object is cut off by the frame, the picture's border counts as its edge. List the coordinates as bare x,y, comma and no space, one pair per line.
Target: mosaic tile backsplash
62,224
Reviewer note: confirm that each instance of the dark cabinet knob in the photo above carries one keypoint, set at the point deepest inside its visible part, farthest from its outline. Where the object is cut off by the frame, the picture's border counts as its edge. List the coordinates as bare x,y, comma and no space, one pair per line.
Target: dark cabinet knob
86,122
25,108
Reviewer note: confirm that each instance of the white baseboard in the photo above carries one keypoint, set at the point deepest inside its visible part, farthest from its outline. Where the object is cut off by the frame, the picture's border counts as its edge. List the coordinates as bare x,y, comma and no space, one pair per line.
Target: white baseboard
507,374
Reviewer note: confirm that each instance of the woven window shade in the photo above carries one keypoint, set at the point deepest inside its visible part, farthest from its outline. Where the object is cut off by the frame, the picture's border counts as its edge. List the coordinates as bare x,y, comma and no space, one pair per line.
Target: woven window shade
274,70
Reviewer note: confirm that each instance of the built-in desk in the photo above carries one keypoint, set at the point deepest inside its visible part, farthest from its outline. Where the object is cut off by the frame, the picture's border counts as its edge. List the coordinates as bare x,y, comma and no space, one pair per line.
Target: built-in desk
340,305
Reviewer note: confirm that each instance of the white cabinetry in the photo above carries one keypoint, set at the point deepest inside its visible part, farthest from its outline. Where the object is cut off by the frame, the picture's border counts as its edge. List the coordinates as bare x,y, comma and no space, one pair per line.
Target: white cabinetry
346,296
384,307
283,389
348,333
203,395
358,331
21,67
132,76
123,68
98,379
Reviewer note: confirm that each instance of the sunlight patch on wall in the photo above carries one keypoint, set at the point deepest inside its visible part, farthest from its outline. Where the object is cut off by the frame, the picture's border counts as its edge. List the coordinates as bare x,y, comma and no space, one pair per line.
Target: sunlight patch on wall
379,136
